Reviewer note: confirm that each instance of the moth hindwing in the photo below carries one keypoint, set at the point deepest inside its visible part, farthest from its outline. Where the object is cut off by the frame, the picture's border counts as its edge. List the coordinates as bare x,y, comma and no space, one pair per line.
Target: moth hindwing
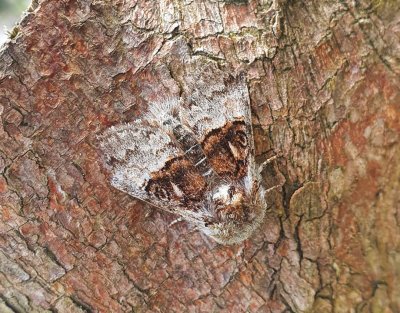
193,157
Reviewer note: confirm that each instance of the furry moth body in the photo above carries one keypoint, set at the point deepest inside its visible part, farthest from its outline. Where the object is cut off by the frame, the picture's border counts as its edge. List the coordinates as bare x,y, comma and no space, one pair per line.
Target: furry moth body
195,158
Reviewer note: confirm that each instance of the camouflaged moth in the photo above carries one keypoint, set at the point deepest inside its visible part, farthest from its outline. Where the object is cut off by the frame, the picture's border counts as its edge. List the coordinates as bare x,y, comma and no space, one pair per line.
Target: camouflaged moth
193,156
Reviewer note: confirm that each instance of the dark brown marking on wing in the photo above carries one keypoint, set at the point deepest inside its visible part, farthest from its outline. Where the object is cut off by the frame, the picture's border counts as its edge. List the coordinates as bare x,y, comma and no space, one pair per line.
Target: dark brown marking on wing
227,149
178,180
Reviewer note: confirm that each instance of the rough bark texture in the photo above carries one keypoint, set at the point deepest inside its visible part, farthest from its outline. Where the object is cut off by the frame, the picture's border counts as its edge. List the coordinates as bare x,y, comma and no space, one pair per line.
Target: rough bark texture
324,83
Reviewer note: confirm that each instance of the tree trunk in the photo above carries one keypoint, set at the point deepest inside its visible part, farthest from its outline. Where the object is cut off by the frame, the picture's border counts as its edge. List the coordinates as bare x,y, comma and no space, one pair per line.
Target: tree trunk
323,79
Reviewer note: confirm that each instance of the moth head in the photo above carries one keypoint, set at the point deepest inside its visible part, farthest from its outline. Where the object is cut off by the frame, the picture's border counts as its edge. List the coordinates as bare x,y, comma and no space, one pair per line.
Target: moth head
236,214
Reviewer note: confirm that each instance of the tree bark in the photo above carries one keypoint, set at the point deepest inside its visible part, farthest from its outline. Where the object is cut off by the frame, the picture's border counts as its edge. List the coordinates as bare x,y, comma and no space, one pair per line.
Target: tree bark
323,78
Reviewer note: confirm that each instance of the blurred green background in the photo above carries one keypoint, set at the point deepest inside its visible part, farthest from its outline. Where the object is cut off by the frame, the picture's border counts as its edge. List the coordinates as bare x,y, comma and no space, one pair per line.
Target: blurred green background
10,14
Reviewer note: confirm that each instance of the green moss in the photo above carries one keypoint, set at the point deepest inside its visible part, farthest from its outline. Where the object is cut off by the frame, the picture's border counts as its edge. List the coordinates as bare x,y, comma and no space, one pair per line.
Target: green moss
13,33
237,1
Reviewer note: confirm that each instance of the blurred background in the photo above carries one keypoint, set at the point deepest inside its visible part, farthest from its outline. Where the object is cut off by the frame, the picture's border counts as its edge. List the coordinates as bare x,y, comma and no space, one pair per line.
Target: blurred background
10,13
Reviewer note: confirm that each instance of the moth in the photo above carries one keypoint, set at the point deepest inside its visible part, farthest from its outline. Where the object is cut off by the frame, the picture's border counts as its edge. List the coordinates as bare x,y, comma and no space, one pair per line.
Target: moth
193,156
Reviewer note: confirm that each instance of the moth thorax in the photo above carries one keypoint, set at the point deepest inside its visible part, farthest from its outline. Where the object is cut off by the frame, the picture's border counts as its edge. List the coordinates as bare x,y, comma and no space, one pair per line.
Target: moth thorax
229,203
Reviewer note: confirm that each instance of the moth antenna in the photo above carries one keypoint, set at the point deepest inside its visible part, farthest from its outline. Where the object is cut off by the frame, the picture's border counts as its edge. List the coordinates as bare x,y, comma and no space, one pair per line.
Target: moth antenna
176,221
